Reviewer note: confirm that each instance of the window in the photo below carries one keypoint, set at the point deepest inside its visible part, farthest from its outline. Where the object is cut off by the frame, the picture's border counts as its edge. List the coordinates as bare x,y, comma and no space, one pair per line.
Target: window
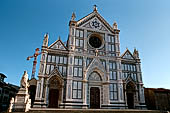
53,58
52,67
62,69
78,71
79,42
113,75
57,59
133,75
111,47
78,61
113,92
111,39
47,69
65,60
77,90
95,41
112,65
79,33
112,72
61,60
129,67
49,58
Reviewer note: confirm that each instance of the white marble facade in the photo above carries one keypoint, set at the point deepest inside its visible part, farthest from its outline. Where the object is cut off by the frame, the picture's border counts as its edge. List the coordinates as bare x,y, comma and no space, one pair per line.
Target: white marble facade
88,71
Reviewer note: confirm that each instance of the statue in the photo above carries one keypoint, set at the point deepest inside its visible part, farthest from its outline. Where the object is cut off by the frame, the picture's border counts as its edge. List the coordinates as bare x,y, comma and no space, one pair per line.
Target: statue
21,102
24,81
45,41
11,104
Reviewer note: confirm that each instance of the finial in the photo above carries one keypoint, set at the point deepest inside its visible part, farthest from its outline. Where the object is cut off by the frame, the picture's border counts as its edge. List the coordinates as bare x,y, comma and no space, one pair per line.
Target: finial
73,16
95,8
46,35
115,25
135,53
45,41
59,38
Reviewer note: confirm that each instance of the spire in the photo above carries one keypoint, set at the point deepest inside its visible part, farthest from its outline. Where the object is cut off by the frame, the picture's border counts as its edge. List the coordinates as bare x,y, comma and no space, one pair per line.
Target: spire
73,16
115,25
95,8
45,41
135,53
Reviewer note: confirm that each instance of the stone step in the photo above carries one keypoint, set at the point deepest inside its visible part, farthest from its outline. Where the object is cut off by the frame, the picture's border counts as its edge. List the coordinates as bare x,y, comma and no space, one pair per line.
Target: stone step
51,110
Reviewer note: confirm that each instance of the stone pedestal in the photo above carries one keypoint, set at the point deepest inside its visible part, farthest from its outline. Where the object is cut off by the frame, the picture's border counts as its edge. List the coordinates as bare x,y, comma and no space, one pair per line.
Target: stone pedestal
21,102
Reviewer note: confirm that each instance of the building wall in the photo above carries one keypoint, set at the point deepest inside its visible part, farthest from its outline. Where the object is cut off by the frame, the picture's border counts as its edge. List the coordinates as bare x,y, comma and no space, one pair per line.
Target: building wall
157,99
84,63
7,91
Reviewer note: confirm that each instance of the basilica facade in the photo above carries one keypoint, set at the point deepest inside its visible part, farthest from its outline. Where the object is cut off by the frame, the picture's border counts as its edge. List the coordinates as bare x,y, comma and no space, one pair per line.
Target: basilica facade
89,71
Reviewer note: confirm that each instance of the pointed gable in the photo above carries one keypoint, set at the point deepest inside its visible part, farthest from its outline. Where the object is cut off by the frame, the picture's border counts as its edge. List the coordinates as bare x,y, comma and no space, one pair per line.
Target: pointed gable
94,21
96,63
127,55
58,44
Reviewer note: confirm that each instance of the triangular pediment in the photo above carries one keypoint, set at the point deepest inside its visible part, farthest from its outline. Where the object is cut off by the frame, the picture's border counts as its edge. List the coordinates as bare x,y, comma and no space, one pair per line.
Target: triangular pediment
94,21
97,63
129,79
127,55
55,71
96,66
58,45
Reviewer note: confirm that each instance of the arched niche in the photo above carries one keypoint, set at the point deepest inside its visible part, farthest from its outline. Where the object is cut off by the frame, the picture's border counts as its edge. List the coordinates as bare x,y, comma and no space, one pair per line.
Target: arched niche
94,77
130,94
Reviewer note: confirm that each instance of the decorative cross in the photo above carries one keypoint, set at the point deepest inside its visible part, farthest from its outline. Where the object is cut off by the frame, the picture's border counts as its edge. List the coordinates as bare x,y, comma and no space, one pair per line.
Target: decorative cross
58,45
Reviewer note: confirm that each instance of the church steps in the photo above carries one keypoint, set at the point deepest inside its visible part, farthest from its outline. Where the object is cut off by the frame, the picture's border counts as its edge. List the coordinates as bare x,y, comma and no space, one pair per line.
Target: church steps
51,110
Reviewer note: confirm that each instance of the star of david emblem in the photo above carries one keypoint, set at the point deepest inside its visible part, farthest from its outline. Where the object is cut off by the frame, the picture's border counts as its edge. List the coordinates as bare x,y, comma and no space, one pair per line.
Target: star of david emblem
95,24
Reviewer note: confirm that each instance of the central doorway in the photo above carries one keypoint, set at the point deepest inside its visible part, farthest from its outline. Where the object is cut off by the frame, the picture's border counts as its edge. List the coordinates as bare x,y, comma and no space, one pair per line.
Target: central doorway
94,98
53,98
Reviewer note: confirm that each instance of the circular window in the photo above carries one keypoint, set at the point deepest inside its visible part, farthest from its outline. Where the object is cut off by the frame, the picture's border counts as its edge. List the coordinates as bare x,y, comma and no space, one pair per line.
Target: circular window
95,41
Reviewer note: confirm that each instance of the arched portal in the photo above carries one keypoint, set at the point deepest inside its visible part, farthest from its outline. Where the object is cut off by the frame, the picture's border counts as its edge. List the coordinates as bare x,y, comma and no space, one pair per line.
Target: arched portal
95,86
130,94
55,92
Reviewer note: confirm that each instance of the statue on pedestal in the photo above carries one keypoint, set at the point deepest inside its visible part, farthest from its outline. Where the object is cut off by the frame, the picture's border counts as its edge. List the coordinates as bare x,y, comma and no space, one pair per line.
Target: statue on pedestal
21,101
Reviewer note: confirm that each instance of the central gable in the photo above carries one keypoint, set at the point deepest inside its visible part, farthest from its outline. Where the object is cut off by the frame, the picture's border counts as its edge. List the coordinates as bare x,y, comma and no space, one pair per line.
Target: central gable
94,21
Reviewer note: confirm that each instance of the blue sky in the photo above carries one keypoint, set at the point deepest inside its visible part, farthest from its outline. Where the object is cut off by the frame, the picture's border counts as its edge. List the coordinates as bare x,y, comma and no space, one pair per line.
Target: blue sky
143,24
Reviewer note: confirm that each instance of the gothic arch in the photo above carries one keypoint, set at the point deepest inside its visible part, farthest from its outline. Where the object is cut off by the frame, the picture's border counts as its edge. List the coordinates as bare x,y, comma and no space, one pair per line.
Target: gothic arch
130,86
131,94
95,76
55,84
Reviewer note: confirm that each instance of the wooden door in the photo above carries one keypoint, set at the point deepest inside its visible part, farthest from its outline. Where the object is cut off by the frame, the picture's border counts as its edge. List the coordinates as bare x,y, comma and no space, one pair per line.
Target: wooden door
94,97
130,100
53,98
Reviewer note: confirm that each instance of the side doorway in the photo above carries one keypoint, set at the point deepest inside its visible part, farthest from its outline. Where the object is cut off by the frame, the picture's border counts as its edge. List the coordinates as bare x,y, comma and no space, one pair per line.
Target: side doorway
130,95
55,92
